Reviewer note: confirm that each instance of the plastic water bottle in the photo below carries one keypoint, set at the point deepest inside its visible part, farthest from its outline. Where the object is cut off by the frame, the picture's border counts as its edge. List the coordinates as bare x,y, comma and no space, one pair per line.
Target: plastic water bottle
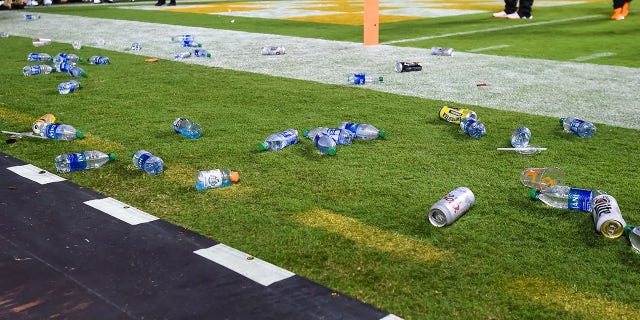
201,53
147,162
31,17
68,87
473,127
82,160
182,55
633,233
60,132
98,60
38,57
325,144
340,136
540,178
135,46
36,70
4,34
579,127
279,140
66,57
182,38
440,51
362,78
217,178
272,50
363,131
565,197
46,119
64,66
76,72
520,137
187,128
191,44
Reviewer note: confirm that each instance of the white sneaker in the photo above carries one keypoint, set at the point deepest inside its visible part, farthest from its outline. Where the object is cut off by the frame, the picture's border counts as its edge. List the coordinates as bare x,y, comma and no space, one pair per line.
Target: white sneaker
500,14
97,1
513,16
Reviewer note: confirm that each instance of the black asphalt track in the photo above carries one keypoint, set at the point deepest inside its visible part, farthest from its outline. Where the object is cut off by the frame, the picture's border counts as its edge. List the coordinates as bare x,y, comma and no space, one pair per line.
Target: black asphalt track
63,259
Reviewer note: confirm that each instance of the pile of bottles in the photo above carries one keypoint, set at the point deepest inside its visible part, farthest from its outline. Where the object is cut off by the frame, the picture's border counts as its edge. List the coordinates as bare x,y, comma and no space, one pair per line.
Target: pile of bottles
189,41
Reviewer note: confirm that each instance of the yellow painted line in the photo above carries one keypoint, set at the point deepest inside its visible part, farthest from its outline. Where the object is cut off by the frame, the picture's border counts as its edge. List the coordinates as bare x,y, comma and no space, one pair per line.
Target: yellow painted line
555,295
368,236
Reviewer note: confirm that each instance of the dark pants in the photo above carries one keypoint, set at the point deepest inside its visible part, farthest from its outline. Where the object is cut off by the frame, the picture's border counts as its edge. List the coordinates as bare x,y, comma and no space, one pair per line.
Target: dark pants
511,6
619,3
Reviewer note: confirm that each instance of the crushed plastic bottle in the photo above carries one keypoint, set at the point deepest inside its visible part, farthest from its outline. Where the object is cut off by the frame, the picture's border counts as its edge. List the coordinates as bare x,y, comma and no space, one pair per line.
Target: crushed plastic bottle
520,137
45,119
36,70
579,127
191,44
66,57
340,136
64,66
182,55
440,51
363,78
76,72
473,127
60,132
38,57
633,233
68,87
541,178
280,140
565,197
31,17
325,144
363,131
147,162
217,178
135,46
272,50
187,128
98,60
4,34
82,160
77,44
182,38
201,53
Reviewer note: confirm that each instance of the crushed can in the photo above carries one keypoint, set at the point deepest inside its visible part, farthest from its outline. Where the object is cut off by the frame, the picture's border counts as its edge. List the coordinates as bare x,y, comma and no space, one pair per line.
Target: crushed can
451,207
607,216
440,51
408,66
454,115
272,50
47,118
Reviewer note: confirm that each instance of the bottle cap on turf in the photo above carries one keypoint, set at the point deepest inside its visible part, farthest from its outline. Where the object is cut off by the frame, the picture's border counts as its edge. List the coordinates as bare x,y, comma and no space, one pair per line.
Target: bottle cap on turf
112,156
382,134
533,193
79,134
235,177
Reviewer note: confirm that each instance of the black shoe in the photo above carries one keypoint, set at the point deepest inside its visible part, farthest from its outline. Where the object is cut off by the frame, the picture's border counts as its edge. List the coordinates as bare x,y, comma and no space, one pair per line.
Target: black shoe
160,3
172,3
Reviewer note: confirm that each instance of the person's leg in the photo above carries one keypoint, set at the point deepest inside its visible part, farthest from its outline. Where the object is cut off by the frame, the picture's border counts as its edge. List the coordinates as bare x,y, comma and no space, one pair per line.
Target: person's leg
172,2
625,8
617,10
525,9
510,6
160,2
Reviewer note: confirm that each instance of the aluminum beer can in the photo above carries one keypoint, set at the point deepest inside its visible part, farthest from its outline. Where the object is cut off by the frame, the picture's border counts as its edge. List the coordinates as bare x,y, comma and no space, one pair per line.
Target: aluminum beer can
440,51
454,115
451,207
408,66
607,216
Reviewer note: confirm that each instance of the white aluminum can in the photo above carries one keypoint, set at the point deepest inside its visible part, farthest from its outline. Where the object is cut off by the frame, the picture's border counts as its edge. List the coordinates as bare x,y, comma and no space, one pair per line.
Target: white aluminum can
451,207
607,216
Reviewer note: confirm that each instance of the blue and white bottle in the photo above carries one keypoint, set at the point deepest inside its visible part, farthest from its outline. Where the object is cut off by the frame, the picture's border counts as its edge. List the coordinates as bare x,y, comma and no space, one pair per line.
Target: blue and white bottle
60,132
82,160
325,144
565,197
187,128
37,57
36,70
472,127
201,53
76,72
98,60
363,131
147,162
279,140
579,127
520,137
341,136
68,87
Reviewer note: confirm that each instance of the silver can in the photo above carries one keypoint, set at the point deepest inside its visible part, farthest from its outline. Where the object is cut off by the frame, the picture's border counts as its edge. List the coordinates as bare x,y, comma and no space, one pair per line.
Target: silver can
440,51
451,207
607,216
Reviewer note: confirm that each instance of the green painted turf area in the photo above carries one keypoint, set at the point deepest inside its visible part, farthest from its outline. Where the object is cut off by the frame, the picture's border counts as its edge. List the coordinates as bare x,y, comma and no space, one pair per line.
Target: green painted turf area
356,222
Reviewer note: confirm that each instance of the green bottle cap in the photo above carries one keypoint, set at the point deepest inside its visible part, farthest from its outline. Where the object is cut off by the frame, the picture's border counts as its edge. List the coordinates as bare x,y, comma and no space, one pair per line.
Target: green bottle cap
112,156
331,151
627,230
533,193
79,134
561,120
305,133
263,146
382,134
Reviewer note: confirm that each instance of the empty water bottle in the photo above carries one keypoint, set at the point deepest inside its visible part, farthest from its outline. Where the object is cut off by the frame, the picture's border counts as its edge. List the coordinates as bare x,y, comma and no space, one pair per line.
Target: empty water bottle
540,178
64,66
633,233
37,57
68,87
191,44
579,127
82,160
280,140
201,53
565,197
362,78
182,55
272,50
36,70
520,137
217,178
66,57
325,144
46,119
76,72
147,162
340,136
440,51
187,128
135,46
60,132
98,60
4,34
182,38
472,127
31,17
363,131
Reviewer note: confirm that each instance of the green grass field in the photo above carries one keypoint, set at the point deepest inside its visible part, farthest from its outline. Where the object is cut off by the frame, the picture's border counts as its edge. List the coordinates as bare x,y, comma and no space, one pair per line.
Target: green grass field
357,222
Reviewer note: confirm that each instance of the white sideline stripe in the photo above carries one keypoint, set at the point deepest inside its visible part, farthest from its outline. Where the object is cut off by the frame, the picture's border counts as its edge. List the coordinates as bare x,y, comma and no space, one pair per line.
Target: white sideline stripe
533,24
255,269
36,174
391,317
121,211
594,56
489,48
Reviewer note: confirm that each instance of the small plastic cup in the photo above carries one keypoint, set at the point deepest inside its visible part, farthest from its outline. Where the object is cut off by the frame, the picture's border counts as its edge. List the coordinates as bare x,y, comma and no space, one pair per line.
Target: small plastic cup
540,178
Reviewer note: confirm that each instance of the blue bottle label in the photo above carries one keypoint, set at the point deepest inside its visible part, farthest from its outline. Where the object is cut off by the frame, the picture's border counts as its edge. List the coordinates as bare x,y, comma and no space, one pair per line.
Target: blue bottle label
33,57
290,136
575,124
579,199
35,69
353,127
143,159
77,161
359,78
50,131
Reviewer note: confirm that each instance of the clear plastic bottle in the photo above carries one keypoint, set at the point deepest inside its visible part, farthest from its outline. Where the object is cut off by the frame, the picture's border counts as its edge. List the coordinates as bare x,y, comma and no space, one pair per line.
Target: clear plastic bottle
363,78
64,66
147,162
82,160
325,144
217,178
273,50
31,17
201,53
579,127
565,197
135,46
68,87
182,38
98,60
182,55
340,136
440,51
38,57
36,70
45,119
76,72
540,178
187,128
66,57
191,44
279,140
520,137
4,34
473,127
633,233
60,132
363,131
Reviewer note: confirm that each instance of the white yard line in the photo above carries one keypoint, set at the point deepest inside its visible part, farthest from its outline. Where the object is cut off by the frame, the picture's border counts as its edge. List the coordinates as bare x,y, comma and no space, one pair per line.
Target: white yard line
534,86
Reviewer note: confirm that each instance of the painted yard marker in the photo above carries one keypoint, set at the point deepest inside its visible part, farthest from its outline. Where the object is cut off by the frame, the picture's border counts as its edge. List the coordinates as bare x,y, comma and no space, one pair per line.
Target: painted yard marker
121,211
371,22
36,174
253,268
594,56
502,46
